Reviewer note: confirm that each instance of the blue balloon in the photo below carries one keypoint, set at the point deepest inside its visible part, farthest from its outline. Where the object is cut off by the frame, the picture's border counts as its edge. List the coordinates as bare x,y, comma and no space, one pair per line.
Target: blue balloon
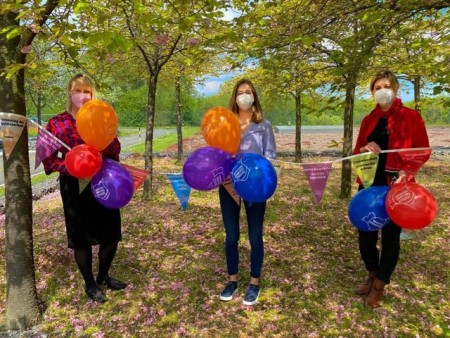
253,177
367,209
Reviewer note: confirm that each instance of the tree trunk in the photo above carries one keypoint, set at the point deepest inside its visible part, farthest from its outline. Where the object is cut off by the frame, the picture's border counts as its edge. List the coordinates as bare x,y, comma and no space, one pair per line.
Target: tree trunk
22,309
417,92
348,138
298,127
39,107
149,134
179,118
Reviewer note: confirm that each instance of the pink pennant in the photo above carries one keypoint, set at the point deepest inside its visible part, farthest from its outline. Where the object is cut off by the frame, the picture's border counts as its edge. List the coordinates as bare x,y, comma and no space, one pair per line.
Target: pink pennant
413,160
317,174
138,175
46,144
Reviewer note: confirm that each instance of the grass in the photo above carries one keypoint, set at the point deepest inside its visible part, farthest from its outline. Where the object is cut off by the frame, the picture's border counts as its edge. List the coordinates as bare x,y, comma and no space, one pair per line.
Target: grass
162,142
175,264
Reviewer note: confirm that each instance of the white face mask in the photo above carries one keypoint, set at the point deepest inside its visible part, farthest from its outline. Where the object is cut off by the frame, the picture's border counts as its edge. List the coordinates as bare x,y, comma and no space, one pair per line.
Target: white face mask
78,99
245,101
384,96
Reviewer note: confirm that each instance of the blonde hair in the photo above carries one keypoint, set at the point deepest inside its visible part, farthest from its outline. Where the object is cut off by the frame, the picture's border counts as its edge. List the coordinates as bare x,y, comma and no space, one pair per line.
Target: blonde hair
385,74
257,115
83,81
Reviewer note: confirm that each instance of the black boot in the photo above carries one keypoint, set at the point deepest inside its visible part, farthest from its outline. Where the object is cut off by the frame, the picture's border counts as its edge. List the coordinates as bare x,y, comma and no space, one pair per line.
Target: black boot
95,293
111,283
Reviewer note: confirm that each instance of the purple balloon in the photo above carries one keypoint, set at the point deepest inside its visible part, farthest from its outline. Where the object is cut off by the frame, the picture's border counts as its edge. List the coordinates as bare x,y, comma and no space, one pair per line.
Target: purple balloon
112,186
206,168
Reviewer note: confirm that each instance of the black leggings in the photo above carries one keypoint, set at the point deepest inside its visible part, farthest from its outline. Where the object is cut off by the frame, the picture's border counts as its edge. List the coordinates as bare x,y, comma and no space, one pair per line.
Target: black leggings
83,258
385,263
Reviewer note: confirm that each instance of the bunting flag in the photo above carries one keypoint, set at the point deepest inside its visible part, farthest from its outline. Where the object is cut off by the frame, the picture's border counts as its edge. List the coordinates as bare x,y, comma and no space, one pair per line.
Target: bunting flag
11,127
317,175
83,183
278,168
414,159
229,188
138,175
365,166
181,188
46,144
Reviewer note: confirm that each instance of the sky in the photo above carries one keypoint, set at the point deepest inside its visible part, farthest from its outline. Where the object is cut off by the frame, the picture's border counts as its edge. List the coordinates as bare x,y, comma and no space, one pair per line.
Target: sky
212,85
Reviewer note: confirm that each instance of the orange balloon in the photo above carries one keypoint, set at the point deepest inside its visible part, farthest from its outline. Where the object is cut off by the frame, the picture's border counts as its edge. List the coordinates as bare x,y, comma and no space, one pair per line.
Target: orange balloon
97,123
221,129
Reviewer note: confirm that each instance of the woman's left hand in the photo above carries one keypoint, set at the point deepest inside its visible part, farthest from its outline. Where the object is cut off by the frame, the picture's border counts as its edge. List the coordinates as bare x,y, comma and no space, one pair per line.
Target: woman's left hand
402,177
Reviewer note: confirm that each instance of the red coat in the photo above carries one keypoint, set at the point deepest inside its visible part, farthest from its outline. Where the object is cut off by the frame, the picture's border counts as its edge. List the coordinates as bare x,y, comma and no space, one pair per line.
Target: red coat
405,127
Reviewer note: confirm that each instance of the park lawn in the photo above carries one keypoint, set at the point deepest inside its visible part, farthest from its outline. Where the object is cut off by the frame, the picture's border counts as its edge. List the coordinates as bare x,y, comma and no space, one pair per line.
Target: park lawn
162,142
175,264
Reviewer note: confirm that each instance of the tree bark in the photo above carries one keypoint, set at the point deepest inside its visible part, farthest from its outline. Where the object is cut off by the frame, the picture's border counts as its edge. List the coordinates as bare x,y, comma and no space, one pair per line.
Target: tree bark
348,137
22,309
417,92
179,118
153,80
298,127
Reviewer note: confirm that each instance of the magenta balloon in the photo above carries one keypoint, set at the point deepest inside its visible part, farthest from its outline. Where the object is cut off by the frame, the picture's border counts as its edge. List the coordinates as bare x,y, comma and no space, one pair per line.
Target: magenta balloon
112,186
206,168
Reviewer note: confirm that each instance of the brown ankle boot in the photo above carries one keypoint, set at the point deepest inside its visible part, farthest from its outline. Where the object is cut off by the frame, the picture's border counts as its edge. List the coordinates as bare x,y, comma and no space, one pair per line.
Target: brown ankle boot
364,289
376,294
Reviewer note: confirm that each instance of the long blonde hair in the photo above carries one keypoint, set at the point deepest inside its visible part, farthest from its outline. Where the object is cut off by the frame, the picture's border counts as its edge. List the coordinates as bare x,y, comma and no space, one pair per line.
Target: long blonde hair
257,115
82,80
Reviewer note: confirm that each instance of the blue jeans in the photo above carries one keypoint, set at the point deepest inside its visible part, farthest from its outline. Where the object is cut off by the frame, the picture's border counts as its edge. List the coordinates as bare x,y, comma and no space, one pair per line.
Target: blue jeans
255,217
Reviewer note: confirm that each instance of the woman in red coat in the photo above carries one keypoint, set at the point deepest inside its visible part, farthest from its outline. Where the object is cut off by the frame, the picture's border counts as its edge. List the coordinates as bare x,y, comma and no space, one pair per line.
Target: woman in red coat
390,125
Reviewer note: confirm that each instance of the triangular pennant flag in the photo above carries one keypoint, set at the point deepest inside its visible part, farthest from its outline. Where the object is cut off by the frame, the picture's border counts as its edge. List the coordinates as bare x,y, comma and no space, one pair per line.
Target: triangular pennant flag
138,175
229,187
181,188
11,127
317,174
414,159
365,166
83,183
278,168
46,144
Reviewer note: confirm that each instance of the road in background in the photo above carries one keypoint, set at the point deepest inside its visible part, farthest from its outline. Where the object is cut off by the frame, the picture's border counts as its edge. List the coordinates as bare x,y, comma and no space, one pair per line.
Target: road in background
126,142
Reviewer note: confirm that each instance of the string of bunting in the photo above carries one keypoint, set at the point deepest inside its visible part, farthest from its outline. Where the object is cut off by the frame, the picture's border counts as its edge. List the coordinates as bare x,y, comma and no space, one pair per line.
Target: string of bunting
364,164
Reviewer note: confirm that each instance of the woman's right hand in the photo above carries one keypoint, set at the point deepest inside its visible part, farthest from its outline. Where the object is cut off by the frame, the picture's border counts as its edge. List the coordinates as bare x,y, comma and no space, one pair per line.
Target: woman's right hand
371,146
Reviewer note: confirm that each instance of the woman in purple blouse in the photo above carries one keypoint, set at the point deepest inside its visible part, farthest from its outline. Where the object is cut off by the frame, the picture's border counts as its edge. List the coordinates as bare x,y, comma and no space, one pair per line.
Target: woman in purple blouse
88,223
257,137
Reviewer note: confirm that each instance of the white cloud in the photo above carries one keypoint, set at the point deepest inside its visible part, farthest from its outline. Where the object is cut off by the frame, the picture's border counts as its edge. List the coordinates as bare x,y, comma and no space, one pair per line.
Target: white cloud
210,87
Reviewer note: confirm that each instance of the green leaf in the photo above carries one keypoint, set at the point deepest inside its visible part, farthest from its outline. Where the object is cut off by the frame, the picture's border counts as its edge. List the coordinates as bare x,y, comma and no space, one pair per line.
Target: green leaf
13,32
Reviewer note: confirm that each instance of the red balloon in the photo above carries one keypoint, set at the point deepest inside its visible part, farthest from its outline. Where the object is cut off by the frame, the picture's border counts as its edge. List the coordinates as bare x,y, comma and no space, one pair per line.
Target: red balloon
83,161
410,205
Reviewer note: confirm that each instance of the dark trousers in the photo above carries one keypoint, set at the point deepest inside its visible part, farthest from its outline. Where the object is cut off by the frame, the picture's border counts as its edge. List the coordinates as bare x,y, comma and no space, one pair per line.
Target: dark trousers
384,263
255,217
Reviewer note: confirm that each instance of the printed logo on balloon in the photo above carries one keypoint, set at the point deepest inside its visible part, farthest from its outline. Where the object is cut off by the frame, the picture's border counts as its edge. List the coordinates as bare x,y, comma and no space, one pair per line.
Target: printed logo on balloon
113,185
206,168
411,205
367,209
253,177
